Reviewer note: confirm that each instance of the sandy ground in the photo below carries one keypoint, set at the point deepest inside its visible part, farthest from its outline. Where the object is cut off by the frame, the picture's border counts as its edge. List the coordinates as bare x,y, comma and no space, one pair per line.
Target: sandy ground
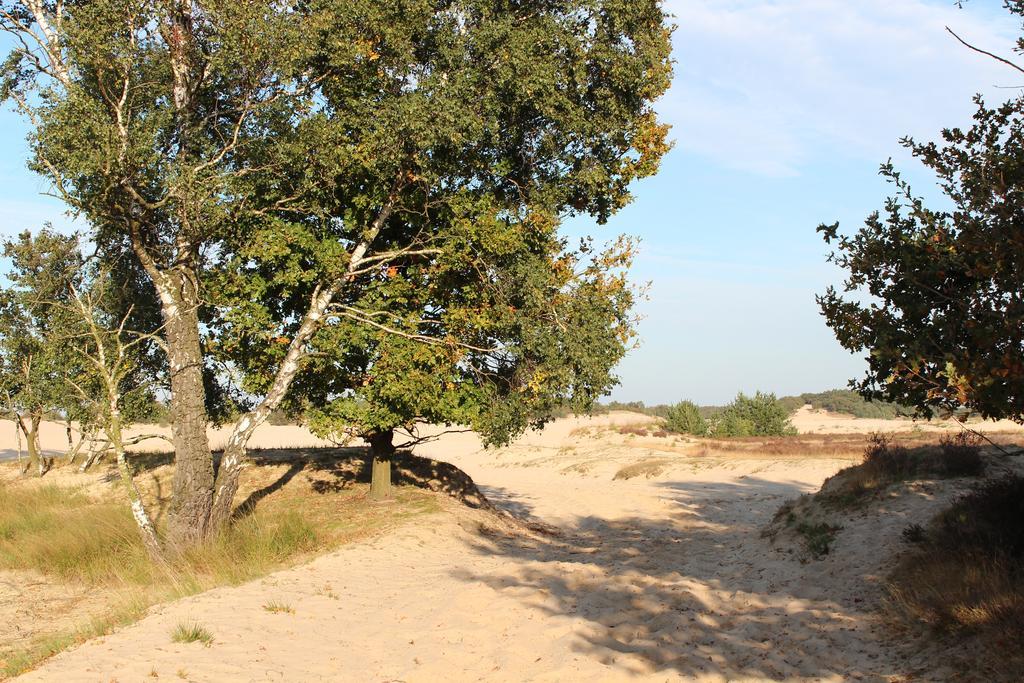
658,579
809,421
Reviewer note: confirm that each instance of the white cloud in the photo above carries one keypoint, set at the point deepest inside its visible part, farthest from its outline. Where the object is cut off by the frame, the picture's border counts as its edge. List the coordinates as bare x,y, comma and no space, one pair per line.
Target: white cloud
772,86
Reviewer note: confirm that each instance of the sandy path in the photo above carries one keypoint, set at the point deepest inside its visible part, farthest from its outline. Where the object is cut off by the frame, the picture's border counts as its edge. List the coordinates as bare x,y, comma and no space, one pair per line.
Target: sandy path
656,580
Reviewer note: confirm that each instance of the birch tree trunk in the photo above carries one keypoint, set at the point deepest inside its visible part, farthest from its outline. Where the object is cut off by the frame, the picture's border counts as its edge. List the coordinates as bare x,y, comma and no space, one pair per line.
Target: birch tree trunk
17,433
146,528
92,453
192,487
234,453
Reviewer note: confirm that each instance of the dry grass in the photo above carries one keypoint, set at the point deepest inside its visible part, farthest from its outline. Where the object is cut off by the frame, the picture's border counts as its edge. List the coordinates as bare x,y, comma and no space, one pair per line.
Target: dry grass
647,468
887,461
277,607
633,430
965,583
84,536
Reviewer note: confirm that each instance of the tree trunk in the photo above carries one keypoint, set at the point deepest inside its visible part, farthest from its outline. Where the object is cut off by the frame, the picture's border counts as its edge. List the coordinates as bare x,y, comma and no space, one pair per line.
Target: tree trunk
73,448
234,453
192,487
382,449
36,460
42,462
30,447
146,528
17,433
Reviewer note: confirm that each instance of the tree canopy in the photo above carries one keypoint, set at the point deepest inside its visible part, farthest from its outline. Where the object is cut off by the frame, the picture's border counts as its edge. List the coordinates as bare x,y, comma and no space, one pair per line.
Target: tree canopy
936,296
290,180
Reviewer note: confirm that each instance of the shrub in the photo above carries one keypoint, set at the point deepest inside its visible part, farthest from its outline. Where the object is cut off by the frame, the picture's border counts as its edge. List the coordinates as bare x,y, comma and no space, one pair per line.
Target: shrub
914,533
758,415
685,418
989,520
888,460
956,456
818,537
967,579
961,455
730,424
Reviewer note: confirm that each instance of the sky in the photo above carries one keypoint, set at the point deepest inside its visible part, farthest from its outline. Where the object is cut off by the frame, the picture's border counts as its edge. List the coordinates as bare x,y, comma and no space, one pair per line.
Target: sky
782,112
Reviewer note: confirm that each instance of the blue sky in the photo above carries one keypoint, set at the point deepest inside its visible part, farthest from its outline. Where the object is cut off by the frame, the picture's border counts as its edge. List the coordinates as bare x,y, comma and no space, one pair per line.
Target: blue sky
782,112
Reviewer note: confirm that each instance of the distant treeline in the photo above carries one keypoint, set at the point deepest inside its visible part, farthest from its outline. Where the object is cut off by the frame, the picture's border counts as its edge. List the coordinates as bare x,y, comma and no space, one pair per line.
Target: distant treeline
842,401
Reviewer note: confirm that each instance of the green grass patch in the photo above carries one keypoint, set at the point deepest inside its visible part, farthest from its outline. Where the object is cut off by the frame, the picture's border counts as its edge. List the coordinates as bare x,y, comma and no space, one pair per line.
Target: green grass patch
191,632
818,538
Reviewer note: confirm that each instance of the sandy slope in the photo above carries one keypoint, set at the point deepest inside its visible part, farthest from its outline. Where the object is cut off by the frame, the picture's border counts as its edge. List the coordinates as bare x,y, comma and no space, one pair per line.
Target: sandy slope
660,579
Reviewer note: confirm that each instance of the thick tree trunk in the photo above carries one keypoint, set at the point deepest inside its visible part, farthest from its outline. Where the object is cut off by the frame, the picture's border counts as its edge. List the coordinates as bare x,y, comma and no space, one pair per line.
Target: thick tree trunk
192,487
382,450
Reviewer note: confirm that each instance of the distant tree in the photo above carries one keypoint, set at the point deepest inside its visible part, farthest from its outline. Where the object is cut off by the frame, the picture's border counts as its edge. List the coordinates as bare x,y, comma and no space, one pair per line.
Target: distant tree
46,370
34,358
936,297
685,418
758,415
541,333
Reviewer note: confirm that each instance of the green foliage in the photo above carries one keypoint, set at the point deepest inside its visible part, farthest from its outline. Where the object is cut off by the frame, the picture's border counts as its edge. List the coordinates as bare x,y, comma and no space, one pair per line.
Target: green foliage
758,415
410,160
818,537
847,402
685,418
36,357
47,356
942,325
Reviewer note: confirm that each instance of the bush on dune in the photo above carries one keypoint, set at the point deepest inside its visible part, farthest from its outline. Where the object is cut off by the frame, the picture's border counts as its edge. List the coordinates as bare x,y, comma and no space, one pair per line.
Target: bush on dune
967,579
758,415
685,418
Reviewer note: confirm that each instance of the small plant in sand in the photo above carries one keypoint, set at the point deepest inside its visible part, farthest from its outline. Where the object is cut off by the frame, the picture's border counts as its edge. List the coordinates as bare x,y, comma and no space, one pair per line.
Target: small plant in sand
191,632
275,607
818,538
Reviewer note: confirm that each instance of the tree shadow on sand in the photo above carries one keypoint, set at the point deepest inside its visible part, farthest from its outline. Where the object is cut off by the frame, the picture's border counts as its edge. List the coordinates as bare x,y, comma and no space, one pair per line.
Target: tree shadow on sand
698,593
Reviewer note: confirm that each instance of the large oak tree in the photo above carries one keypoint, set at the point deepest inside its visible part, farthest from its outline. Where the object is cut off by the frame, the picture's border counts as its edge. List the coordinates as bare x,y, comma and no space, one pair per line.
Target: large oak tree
267,163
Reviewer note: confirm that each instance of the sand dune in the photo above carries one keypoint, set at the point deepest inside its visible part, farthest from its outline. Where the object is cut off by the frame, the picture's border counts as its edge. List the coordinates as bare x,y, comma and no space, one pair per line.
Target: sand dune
656,579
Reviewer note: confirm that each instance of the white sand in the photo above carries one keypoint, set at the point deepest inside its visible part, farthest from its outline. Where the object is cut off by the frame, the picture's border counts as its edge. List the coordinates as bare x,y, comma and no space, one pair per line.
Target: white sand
664,579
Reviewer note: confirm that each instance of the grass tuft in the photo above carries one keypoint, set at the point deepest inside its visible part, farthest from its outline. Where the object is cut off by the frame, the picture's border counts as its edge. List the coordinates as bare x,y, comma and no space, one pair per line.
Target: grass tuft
275,607
818,537
191,632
